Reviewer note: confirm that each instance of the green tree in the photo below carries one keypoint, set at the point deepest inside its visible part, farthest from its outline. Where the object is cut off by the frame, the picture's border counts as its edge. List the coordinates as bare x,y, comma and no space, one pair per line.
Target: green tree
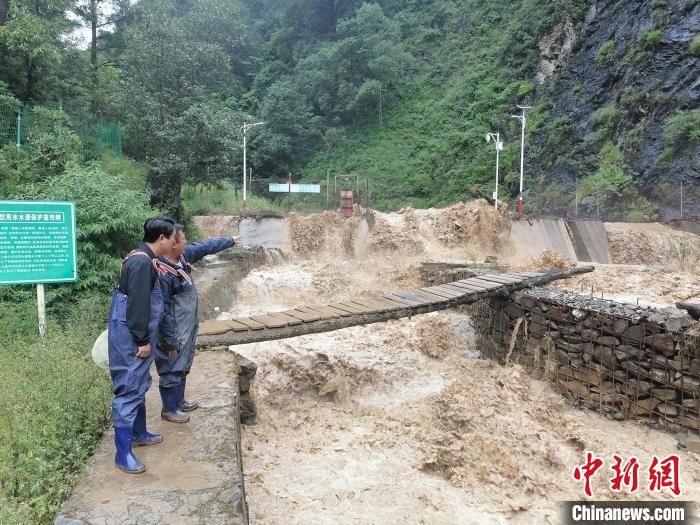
35,48
172,66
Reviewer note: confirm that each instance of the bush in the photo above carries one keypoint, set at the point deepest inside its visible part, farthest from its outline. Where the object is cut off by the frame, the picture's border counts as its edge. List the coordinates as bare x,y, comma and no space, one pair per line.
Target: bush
55,407
605,55
605,116
694,46
109,219
683,130
650,39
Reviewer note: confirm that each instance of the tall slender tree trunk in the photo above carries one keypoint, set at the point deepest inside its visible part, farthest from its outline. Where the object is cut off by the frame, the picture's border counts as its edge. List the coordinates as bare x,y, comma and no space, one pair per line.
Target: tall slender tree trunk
4,11
93,55
30,81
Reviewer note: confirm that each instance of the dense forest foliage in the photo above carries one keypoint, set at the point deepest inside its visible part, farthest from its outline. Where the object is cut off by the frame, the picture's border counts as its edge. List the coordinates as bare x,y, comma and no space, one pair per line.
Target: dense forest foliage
400,92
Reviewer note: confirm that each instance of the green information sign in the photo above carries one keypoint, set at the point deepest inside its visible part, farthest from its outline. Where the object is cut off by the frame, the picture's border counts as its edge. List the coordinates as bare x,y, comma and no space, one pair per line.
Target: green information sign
37,242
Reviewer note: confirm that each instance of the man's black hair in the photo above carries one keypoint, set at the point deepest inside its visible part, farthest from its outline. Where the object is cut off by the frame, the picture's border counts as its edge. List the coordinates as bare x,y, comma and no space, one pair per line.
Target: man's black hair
179,228
154,227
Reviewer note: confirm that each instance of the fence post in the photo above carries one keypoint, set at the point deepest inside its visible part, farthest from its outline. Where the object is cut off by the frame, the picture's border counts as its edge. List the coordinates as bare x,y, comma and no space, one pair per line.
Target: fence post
19,126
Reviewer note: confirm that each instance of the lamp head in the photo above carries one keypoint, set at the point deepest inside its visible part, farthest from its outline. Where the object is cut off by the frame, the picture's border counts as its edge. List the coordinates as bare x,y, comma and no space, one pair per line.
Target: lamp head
488,137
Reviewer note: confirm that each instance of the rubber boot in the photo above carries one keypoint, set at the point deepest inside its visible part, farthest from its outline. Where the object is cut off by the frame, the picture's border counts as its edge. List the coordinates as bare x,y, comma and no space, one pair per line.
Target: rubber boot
170,411
124,458
182,404
141,436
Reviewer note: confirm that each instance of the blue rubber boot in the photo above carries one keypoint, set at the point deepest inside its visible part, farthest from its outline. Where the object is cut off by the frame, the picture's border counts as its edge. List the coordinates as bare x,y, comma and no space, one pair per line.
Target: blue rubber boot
124,458
141,436
170,412
183,405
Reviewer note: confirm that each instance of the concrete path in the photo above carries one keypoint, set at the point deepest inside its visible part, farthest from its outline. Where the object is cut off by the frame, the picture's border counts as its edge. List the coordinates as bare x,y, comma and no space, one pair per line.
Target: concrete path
193,477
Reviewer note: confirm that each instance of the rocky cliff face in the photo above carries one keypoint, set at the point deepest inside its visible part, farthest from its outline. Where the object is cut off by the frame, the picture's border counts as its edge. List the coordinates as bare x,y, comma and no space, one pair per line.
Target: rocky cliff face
628,75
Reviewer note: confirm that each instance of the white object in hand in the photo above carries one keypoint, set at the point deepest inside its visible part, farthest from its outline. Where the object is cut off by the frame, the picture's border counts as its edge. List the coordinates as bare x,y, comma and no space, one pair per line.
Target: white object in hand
100,352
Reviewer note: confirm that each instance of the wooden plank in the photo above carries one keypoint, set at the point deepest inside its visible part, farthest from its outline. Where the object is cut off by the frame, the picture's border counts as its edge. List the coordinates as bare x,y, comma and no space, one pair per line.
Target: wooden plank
326,310
304,316
393,305
344,308
439,288
369,306
441,293
269,321
401,300
247,321
484,284
384,304
453,288
236,326
213,328
291,320
527,274
470,288
359,309
430,296
412,296
496,280
501,279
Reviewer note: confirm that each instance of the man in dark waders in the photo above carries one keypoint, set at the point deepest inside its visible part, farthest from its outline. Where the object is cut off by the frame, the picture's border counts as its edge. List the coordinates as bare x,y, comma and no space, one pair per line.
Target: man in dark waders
178,329
136,311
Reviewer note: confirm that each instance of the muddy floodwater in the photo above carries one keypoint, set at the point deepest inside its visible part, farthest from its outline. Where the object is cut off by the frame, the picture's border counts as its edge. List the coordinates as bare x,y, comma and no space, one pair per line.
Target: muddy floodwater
404,422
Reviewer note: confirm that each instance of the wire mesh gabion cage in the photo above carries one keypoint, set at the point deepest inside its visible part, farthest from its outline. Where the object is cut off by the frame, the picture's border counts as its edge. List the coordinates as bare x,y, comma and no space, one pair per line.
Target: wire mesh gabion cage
623,361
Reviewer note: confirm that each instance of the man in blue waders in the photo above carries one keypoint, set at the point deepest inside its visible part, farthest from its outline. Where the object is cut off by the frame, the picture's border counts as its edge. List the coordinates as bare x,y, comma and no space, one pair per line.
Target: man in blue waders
136,311
178,329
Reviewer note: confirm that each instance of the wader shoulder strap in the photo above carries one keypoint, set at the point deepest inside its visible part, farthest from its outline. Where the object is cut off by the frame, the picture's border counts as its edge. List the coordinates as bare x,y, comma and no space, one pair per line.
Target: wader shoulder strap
177,272
157,266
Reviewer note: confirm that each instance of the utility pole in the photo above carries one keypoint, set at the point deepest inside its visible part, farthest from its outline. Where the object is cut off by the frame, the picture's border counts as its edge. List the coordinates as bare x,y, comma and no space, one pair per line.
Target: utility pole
244,128
499,146
681,200
380,107
523,122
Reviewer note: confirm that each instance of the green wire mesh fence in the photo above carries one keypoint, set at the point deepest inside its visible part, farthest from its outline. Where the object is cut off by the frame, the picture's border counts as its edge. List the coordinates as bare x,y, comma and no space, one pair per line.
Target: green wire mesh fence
20,122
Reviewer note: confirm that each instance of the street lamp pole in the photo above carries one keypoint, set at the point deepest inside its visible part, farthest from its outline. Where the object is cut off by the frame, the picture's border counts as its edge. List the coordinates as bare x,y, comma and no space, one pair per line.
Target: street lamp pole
523,122
499,146
244,128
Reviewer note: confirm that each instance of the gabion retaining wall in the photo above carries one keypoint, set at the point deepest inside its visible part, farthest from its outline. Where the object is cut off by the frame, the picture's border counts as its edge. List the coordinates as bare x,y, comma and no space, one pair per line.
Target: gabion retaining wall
623,361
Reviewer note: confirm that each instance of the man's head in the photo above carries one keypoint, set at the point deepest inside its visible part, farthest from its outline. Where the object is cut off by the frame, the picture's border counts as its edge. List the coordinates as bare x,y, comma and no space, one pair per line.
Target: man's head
159,234
179,244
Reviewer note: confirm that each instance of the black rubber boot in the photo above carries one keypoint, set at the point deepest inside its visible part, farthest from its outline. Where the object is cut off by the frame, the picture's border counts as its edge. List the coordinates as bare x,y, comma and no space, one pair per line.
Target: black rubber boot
182,404
170,412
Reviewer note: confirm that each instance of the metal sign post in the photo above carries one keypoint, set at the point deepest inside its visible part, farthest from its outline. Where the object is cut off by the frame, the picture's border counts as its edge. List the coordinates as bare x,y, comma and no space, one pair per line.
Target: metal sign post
41,308
38,246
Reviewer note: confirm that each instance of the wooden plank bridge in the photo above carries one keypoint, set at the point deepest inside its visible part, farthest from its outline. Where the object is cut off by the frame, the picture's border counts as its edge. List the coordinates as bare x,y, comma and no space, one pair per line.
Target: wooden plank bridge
304,320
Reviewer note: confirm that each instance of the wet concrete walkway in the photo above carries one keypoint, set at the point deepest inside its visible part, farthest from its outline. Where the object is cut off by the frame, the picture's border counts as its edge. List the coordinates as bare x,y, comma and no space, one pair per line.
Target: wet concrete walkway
194,476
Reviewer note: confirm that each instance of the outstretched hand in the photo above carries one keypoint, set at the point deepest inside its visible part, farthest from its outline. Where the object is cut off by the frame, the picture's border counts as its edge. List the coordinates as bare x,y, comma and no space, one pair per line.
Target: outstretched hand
236,239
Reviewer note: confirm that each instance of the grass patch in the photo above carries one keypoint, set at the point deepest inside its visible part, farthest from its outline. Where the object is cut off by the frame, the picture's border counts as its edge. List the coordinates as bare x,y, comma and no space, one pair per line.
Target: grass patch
695,46
605,55
225,199
55,407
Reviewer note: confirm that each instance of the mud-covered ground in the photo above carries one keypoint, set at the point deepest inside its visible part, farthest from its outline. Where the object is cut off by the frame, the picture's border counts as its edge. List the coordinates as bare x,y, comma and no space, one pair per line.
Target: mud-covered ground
402,422
648,285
